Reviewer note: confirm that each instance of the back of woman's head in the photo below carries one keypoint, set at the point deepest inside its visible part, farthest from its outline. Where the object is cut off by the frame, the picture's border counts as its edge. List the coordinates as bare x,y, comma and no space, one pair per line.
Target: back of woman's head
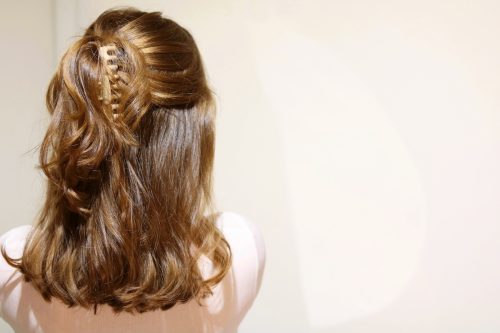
128,156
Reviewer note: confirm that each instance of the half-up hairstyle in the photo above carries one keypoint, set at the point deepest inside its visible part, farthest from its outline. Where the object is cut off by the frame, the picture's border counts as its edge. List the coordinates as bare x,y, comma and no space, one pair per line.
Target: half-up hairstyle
128,156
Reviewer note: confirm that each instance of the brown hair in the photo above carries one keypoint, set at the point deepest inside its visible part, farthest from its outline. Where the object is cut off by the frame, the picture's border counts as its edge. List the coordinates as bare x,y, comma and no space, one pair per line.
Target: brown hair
128,155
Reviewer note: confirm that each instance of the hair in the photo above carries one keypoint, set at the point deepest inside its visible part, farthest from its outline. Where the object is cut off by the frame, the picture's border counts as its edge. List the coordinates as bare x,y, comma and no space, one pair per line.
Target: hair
128,156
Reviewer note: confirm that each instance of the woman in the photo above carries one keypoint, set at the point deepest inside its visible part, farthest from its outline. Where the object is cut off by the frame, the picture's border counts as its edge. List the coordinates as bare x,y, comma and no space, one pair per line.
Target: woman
128,239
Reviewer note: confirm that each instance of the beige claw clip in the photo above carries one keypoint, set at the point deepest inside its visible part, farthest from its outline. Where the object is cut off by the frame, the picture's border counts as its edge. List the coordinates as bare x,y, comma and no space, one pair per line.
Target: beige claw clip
109,83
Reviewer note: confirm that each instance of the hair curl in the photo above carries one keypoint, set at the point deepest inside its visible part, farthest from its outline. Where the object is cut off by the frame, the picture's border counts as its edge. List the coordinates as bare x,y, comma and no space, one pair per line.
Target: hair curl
128,210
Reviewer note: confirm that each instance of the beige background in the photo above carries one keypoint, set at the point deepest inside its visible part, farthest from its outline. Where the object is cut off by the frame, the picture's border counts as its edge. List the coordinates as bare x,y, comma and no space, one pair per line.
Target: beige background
362,137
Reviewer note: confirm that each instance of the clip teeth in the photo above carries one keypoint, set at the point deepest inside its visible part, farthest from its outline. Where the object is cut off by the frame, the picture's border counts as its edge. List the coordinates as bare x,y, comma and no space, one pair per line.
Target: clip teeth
104,52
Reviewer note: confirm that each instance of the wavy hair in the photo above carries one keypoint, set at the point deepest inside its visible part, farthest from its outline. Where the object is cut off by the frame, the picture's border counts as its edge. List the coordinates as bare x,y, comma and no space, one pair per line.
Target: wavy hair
128,157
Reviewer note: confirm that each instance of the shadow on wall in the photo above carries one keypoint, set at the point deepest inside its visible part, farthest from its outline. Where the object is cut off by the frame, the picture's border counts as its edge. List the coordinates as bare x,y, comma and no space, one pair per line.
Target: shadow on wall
250,169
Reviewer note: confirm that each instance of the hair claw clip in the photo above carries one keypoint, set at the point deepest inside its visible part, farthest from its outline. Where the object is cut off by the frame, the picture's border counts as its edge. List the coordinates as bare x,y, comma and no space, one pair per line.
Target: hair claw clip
109,84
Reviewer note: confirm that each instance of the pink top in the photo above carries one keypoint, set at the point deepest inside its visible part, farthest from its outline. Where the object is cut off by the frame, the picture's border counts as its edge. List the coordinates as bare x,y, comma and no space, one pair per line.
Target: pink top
26,311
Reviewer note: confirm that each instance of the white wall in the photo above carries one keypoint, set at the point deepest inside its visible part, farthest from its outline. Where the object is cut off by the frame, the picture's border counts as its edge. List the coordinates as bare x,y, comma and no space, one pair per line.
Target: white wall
27,62
363,137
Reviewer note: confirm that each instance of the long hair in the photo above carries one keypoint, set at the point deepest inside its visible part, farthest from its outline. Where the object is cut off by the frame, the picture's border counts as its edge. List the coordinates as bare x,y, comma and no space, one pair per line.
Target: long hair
128,157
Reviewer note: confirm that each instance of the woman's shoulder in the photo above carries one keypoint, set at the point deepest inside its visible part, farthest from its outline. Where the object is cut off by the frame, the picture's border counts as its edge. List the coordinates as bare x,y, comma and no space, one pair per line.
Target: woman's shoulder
247,244
13,240
240,226
230,221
